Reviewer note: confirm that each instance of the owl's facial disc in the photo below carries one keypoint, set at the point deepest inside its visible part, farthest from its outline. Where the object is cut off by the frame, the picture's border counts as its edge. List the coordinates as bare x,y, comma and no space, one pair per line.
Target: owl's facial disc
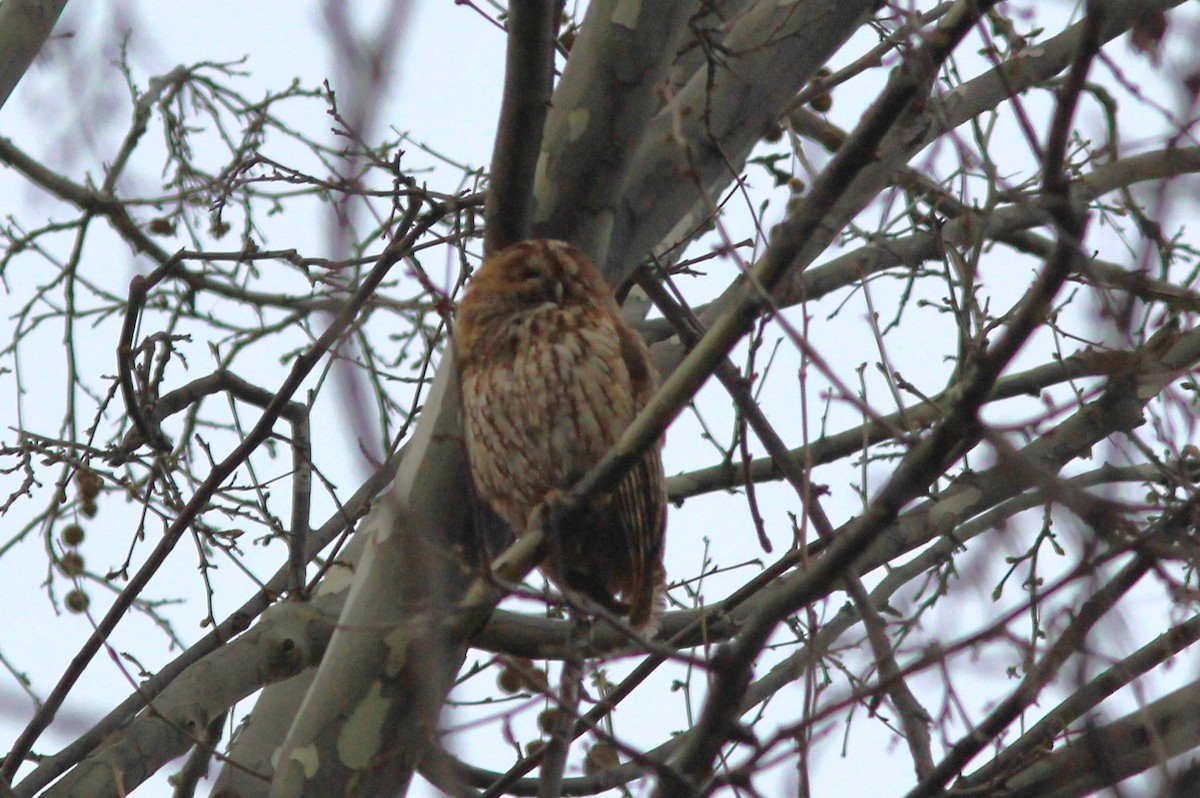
535,285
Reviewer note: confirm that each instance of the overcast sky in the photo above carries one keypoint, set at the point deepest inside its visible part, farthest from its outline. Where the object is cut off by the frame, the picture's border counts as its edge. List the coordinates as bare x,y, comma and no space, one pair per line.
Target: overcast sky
444,90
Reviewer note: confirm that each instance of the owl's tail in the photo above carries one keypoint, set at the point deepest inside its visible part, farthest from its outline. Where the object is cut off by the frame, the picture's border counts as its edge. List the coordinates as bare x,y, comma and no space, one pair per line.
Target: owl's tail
648,601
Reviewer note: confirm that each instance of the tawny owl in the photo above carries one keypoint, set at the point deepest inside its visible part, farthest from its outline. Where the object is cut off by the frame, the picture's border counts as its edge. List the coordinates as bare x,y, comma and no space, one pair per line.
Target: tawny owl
551,377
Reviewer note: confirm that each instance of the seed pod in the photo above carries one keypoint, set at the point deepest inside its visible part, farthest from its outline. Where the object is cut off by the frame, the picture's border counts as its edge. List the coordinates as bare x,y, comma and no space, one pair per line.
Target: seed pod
77,601
162,226
509,681
546,720
88,484
71,563
535,680
824,101
600,757
72,534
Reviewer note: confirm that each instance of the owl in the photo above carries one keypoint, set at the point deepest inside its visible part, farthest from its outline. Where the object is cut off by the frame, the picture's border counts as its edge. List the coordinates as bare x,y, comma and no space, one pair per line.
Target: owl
551,377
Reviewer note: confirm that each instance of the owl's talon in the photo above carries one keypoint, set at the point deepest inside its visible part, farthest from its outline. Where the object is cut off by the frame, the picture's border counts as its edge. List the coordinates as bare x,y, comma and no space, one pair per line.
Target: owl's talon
550,507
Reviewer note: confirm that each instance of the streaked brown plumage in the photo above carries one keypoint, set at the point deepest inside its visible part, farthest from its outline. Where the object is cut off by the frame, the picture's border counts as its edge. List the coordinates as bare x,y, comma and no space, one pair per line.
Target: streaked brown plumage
551,377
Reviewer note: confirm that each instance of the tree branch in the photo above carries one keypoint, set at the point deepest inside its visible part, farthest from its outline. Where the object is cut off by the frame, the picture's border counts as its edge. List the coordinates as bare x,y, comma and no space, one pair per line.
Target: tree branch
25,25
609,91
528,79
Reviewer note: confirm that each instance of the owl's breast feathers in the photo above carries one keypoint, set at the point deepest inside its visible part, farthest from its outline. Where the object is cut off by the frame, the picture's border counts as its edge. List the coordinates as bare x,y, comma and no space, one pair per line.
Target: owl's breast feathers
547,413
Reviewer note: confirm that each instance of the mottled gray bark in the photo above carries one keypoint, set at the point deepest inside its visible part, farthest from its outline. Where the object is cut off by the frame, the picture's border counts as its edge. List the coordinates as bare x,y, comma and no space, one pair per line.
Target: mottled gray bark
24,27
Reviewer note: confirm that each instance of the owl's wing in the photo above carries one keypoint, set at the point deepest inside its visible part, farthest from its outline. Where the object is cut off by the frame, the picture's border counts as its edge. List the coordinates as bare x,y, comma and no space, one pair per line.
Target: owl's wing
641,500
640,507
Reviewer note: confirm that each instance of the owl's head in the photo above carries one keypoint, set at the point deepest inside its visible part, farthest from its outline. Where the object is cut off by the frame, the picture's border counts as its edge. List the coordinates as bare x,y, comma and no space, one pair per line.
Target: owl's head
530,277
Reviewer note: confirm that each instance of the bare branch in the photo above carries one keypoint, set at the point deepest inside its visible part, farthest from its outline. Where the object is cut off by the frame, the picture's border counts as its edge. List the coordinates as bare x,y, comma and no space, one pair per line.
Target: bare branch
528,78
